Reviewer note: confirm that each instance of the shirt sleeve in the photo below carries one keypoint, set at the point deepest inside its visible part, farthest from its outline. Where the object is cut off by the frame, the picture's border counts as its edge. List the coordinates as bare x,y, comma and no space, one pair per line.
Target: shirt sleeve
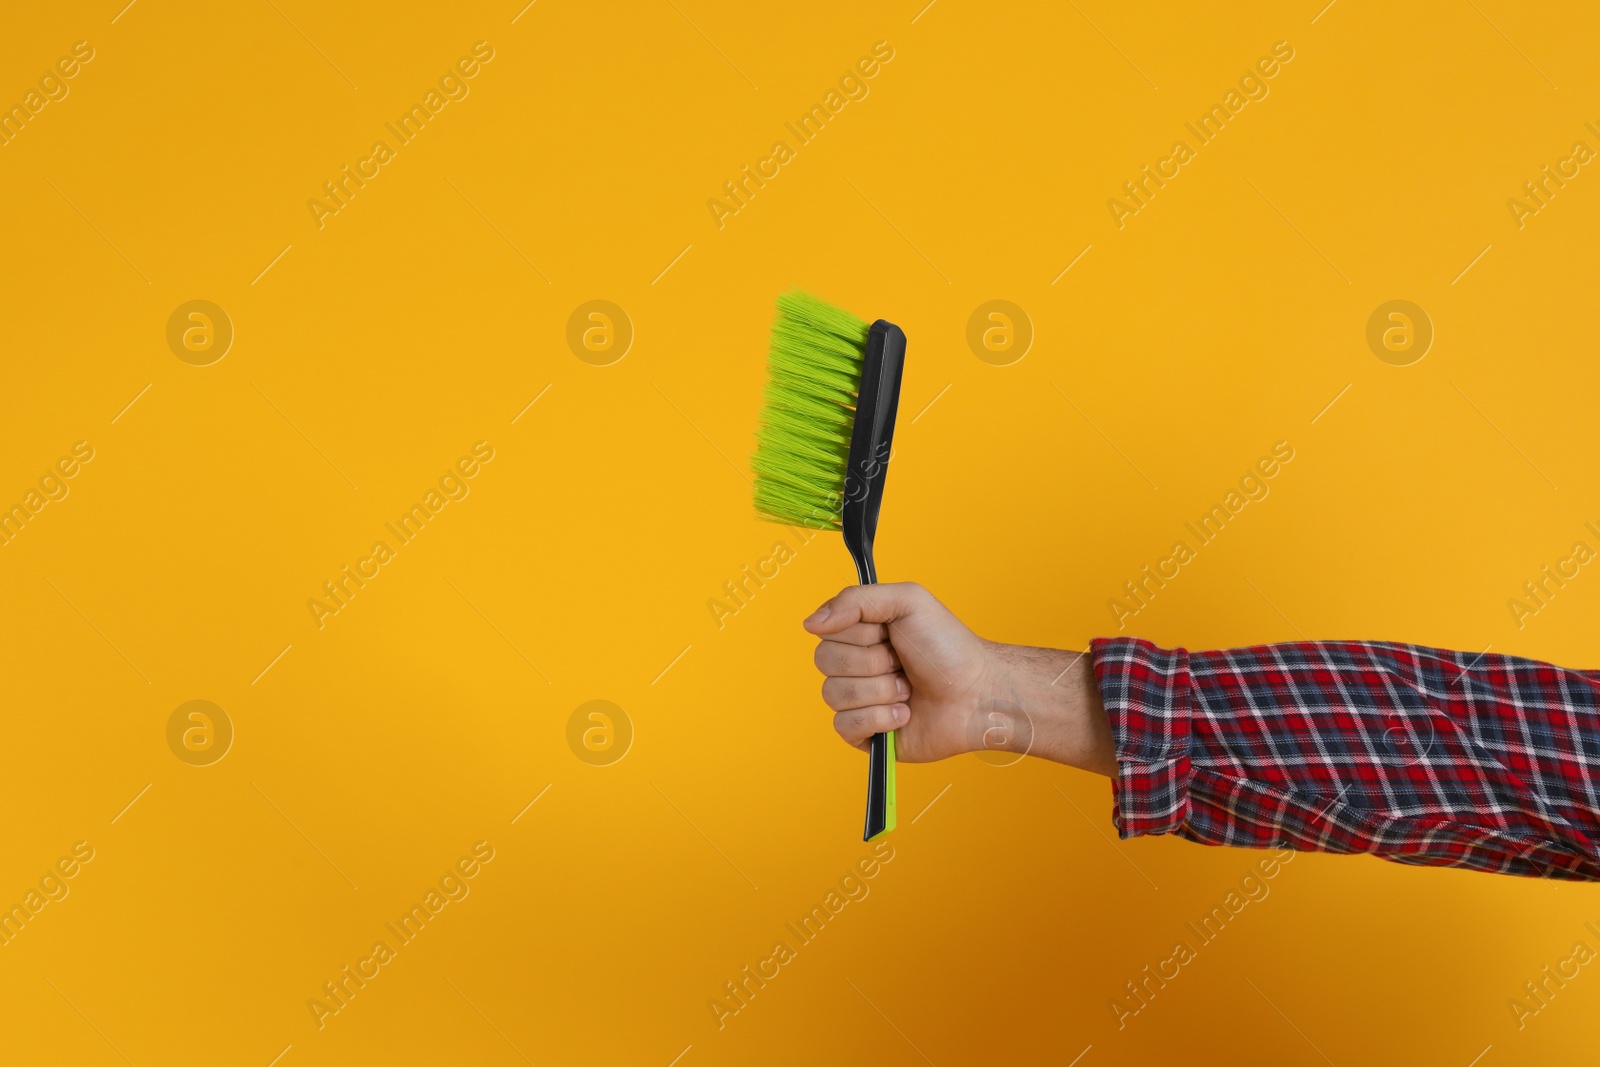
1414,754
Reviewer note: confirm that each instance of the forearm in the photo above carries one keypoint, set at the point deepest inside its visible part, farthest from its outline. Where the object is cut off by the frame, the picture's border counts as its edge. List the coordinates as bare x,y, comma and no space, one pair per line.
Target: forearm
1414,754
1046,703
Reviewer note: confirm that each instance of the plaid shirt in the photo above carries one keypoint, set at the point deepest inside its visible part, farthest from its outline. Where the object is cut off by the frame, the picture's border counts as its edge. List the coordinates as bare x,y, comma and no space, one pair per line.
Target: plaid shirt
1413,754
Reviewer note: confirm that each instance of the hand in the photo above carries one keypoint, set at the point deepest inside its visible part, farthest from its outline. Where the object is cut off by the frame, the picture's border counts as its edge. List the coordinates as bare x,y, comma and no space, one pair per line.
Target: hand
897,659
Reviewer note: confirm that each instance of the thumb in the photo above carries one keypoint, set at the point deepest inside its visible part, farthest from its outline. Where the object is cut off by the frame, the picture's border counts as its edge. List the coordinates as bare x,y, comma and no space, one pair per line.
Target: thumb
866,603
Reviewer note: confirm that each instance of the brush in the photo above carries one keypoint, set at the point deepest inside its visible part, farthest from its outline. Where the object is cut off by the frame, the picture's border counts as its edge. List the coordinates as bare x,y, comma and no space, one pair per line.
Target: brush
822,453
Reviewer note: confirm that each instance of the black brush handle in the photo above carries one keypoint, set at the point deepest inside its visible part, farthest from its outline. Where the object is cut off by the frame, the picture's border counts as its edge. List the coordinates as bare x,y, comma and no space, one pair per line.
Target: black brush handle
871,441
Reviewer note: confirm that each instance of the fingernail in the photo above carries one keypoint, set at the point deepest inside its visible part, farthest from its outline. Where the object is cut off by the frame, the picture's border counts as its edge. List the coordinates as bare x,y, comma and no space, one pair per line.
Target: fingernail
901,687
818,615
901,713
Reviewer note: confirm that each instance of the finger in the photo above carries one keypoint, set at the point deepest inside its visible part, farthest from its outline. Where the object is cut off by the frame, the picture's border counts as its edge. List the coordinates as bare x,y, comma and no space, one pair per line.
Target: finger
853,661
867,603
857,725
862,633
843,694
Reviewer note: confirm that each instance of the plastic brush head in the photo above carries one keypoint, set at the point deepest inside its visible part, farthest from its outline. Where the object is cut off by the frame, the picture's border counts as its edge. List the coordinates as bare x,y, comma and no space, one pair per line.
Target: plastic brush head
808,412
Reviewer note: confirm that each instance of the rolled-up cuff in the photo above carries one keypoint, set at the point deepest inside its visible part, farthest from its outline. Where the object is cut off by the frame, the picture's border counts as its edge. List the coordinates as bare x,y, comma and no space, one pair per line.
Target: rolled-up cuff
1145,690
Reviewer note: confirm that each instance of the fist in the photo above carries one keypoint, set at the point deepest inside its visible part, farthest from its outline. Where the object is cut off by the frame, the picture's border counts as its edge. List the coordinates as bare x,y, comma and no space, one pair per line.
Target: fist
894,658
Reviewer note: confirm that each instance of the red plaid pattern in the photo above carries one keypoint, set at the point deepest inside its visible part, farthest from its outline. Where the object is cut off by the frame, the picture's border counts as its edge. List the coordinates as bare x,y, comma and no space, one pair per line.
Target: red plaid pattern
1415,754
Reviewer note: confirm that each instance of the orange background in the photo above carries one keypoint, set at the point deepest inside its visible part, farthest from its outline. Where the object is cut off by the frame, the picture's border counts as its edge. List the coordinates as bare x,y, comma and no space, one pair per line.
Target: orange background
369,354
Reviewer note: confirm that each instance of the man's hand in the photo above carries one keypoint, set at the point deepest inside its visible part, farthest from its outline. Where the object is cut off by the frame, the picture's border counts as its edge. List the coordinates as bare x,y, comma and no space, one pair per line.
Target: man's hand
897,659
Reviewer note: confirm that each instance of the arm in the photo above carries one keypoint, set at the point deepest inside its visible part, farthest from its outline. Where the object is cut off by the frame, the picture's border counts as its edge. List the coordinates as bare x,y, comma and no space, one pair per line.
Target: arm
1413,754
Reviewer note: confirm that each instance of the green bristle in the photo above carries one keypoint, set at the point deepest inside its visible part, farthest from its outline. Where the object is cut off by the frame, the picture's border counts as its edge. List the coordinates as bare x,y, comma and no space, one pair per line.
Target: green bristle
803,440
